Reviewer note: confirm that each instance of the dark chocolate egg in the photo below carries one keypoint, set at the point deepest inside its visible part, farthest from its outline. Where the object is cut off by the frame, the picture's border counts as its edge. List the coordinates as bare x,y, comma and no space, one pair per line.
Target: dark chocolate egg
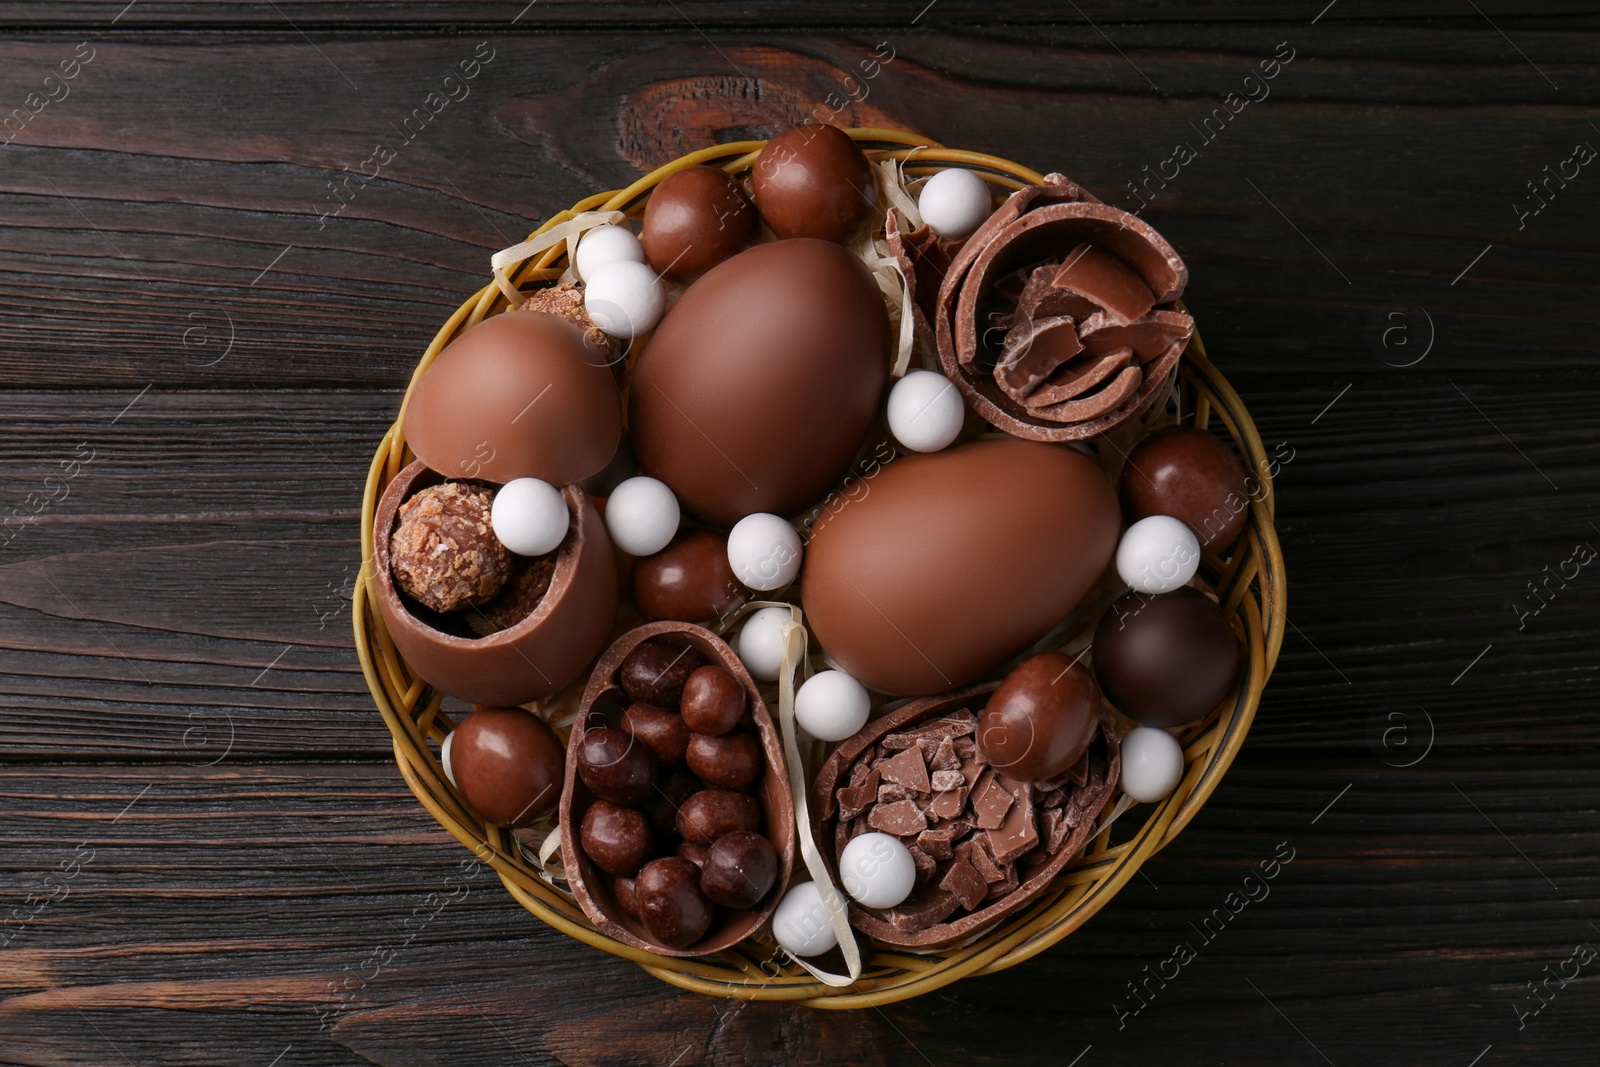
508,763
952,562
695,219
1041,719
812,181
519,395
760,384
1165,660
1189,474
689,580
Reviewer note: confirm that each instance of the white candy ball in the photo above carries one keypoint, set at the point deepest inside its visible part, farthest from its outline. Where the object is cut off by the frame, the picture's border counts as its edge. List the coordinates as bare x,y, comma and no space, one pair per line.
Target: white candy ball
1158,554
877,870
444,757
955,202
1152,763
624,298
642,515
801,924
925,411
529,516
761,643
606,244
831,705
764,551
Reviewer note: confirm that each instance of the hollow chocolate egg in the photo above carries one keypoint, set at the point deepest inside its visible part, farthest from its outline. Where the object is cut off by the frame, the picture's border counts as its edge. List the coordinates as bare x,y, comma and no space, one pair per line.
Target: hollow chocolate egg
509,764
695,219
1189,474
1165,660
689,580
812,181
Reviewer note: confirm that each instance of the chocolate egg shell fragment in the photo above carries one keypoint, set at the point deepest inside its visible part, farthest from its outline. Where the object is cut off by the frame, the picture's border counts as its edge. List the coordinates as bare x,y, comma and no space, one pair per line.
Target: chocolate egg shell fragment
760,384
1041,719
739,869
956,561
1165,660
1189,474
689,580
812,181
537,655
508,763
695,219
519,395
671,905
617,839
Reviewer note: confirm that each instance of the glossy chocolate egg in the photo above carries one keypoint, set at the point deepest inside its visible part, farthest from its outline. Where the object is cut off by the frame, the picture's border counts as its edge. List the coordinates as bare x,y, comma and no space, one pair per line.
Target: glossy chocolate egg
812,181
1190,475
695,219
671,906
517,396
1041,719
1165,660
954,561
689,580
760,384
508,763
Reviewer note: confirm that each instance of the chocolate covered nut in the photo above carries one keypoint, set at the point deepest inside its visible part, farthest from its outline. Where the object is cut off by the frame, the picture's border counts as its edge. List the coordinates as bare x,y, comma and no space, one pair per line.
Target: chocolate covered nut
670,793
654,672
739,869
695,219
1191,475
444,553
713,701
508,763
711,813
695,854
671,905
732,760
625,889
689,580
664,732
616,839
616,767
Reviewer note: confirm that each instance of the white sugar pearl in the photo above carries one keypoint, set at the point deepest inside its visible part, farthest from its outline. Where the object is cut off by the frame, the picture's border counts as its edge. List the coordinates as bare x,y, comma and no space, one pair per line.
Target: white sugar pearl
642,515
925,411
444,756
606,244
624,298
764,551
877,870
761,643
1158,554
801,922
529,516
1152,763
831,705
954,202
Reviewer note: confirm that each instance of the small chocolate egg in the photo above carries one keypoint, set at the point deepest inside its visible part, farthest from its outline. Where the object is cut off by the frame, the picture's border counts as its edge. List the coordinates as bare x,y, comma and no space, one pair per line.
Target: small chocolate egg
663,732
689,580
671,906
1191,475
1165,660
655,671
616,767
695,219
519,395
713,701
1041,719
509,765
615,838
739,869
812,181
732,760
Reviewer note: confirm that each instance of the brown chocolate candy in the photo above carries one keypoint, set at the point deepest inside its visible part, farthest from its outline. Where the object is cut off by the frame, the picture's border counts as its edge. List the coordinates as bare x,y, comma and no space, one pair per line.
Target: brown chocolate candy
664,732
616,839
626,892
732,760
662,807
739,869
812,181
1165,660
444,553
695,854
1041,719
689,580
518,598
711,813
671,905
713,701
695,219
654,672
1191,475
508,763
616,767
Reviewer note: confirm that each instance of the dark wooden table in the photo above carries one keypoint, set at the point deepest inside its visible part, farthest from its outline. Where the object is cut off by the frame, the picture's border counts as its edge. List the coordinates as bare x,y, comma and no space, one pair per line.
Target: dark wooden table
208,855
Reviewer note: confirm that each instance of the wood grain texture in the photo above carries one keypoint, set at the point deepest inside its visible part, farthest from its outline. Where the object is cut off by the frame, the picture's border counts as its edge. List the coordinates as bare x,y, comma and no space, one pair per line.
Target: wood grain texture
206,854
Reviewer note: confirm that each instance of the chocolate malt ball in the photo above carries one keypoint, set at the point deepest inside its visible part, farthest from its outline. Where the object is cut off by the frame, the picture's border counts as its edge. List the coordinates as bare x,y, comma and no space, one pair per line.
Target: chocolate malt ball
444,553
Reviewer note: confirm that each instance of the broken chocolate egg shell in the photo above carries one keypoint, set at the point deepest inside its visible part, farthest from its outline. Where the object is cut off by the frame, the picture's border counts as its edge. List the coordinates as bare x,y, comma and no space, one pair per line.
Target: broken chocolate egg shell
591,887
538,656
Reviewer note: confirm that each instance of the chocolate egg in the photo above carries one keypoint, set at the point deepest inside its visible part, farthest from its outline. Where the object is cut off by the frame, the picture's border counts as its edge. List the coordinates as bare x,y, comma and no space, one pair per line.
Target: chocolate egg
695,219
655,671
689,580
1165,660
508,763
1189,474
519,395
1041,719
812,181
952,562
760,384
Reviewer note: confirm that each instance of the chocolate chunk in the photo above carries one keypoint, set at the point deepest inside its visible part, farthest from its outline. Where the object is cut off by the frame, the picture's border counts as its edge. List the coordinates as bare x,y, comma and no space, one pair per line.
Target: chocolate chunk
956,724
1034,351
944,756
936,841
1055,829
976,852
1106,281
926,868
990,801
1019,832
908,770
943,781
902,819
965,883
950,804
926,906
889,793
1006,885
965,748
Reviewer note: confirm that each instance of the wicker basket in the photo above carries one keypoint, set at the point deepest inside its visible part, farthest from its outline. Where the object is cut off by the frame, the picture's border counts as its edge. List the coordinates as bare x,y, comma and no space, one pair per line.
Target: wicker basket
1249,583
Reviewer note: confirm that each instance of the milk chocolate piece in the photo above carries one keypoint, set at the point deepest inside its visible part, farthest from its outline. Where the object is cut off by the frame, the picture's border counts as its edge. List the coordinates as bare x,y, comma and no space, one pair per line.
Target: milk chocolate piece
902,818
889,793
908,770
964,882
923,258
1104,280
854,799
1017,833
949,804
926,867
944,757
991,801
1034,351
925,907
943,781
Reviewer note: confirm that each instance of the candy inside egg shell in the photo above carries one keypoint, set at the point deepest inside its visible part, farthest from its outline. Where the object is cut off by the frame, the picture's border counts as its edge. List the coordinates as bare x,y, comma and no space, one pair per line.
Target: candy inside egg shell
954,202
877,870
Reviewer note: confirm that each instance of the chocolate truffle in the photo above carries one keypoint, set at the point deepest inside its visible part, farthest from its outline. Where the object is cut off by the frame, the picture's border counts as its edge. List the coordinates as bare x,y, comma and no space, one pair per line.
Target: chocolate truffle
444,553
689,580
812,181
1191,475
671,905
565,301
1041,719
694,220
1165,660
508,763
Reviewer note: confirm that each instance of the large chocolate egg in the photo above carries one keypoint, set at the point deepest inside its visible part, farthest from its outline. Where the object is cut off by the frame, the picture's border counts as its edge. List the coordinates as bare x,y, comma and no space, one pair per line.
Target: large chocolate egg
517,396
762,381
950,563
1165,660
812,181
